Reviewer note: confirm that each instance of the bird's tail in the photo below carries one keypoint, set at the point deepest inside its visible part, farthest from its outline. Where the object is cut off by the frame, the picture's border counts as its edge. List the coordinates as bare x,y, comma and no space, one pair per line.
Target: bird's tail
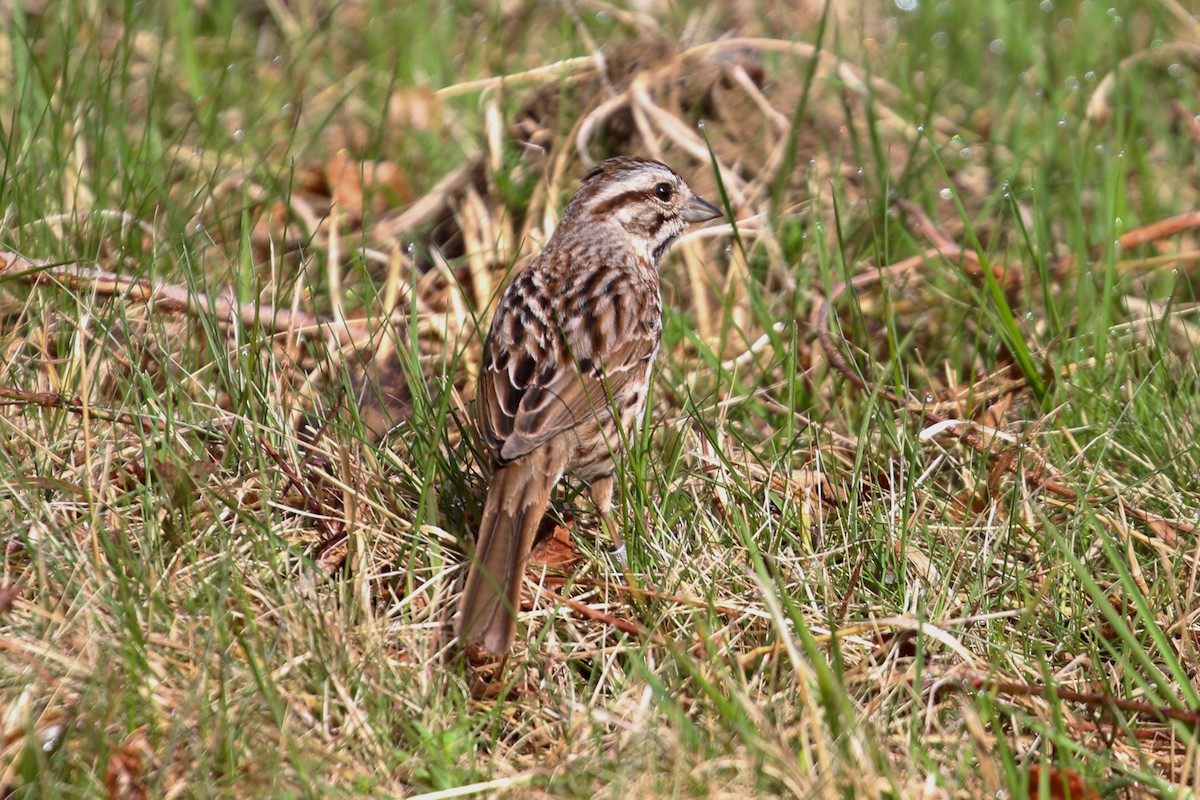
516,502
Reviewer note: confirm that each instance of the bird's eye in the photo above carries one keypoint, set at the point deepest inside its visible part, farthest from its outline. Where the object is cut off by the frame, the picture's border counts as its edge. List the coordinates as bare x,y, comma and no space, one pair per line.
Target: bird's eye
664,191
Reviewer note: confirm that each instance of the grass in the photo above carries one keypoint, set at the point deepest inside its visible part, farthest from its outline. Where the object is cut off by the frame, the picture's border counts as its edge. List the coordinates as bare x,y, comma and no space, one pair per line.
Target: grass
958,560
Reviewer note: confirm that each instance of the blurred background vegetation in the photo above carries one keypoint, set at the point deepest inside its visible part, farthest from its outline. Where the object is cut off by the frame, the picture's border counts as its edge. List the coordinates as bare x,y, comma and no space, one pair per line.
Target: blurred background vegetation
916,510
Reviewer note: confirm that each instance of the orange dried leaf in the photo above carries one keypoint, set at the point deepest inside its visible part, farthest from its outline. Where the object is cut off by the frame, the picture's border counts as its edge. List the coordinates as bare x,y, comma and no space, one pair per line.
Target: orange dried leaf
124,776
413,109
1063,783
558,550
344,176
352,181
8,595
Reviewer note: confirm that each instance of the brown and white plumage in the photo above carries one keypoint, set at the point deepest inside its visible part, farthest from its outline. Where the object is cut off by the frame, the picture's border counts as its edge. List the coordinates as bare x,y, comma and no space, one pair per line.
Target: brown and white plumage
572,341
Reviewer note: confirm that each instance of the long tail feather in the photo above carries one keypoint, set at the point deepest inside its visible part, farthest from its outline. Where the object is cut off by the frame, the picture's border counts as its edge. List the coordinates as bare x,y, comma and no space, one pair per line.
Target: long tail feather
517,498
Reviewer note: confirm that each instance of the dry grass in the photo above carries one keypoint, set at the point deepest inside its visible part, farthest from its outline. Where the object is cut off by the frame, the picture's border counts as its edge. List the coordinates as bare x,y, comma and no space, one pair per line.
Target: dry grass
917,500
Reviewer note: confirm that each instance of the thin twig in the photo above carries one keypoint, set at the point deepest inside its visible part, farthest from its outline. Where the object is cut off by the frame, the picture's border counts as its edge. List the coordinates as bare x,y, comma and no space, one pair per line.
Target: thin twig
180,299
979,683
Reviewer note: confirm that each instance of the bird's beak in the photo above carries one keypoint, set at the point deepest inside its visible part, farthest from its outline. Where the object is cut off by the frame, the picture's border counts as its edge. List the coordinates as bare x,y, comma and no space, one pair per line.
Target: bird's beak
700,210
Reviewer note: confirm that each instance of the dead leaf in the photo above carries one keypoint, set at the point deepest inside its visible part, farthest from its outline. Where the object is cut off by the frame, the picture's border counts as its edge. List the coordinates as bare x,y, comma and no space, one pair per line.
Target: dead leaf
351,182
124,776
8,595
1064,784
345,180
413,109
557,550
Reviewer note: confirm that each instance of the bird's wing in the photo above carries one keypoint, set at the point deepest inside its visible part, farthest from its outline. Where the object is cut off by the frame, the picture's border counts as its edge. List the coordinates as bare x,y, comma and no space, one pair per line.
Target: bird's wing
538,381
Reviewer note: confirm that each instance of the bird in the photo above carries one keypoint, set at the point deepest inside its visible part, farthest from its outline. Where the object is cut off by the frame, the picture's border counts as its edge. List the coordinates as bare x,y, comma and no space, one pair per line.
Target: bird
565,373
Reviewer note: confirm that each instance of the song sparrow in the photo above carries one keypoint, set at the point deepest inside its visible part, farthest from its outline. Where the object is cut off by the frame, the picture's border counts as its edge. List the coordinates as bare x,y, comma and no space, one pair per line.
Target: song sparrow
566,372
